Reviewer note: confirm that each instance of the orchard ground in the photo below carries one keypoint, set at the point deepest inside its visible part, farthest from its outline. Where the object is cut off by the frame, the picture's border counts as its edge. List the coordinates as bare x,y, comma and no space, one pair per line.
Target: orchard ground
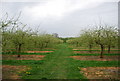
64,62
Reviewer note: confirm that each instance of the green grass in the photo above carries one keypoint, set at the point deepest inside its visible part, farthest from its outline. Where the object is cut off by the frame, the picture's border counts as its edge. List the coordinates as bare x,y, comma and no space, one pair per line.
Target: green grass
93,50
78,54
22,62
95,63
14,53
57,65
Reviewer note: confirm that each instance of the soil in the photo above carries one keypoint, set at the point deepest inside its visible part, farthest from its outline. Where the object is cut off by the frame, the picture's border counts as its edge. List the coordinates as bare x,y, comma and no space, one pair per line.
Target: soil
39,51
11,72
96,58
23,57
50,48
34,51
101,72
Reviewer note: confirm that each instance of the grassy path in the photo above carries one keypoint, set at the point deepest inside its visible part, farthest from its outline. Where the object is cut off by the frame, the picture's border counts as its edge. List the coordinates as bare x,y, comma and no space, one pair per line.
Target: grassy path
56,66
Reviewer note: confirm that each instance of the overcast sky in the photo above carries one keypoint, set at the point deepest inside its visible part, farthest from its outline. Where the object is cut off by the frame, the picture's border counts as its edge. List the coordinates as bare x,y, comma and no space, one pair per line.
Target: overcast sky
65,17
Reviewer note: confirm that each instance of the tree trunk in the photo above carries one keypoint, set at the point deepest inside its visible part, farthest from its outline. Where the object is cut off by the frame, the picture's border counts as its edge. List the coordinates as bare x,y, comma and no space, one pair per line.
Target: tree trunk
41,46
18,56
46,44
77,44
35,44
102,50
19,50
90,47
109,48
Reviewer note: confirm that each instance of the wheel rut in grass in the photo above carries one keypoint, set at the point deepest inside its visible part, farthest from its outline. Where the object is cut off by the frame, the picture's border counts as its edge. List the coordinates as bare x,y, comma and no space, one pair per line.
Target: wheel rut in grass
56,65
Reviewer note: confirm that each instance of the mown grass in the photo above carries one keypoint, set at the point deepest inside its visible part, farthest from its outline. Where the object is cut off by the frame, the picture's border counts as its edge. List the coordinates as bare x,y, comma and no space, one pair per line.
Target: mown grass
15,53
58,65
22,62
78,54
92,50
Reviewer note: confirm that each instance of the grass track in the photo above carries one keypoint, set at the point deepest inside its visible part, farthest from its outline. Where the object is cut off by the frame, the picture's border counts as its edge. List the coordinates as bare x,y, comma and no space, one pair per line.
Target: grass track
56,66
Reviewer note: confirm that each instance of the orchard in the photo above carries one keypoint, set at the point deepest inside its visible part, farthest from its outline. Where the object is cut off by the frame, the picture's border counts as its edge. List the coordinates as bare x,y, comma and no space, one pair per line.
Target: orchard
30,54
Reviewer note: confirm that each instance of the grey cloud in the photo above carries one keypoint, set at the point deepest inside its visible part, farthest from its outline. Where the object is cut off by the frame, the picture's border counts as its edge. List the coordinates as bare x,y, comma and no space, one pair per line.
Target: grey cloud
71,23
